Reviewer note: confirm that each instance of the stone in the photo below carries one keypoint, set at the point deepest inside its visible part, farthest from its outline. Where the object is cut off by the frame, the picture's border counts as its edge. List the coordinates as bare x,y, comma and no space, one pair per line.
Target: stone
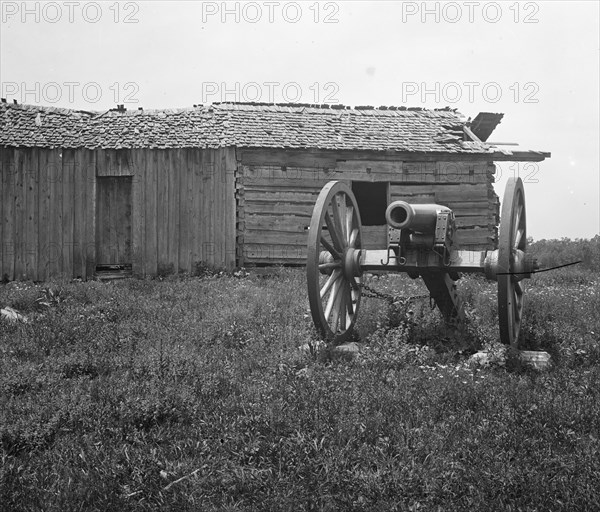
481,358
346,350
537,359
12,315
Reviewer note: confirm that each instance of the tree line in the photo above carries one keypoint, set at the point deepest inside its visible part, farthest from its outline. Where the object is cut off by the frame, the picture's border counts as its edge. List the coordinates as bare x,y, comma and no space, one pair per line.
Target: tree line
554,252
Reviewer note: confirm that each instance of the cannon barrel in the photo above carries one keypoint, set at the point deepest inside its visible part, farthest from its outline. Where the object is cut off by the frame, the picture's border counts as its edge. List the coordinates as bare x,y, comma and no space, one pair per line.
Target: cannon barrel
421,218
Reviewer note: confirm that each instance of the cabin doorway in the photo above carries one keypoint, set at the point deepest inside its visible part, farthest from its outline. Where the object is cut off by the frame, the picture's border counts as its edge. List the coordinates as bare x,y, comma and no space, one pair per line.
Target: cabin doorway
113,225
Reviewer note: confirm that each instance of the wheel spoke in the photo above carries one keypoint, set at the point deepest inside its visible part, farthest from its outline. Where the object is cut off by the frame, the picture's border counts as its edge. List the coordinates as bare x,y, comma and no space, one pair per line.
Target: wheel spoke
330,248
518,238
510,308
333,264
518,217
337,307
518,300
333,233
337,220
332,278
349,217
518,289
353,238
331,300
342,315
349,305
515,305
343,208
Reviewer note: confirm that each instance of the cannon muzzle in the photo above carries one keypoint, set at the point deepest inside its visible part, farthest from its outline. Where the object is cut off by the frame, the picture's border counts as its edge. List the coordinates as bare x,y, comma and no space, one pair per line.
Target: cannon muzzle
421,218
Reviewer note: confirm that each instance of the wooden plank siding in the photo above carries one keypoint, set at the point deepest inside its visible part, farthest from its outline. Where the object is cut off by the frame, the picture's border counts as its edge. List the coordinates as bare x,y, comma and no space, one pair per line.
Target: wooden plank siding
277,191
184,205
182,208
21,211
5,184
138,212
43,213
90,170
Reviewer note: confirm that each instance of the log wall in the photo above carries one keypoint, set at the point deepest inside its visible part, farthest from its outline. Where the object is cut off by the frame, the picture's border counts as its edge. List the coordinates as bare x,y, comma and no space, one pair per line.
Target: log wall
277,190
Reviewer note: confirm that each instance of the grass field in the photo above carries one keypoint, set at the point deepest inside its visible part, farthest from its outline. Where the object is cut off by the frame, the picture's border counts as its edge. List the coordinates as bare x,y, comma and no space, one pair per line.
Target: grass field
192,394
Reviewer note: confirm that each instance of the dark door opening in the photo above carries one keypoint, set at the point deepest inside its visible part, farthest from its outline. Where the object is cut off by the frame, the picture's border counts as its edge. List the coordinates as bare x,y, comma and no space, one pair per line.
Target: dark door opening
372,201
113,223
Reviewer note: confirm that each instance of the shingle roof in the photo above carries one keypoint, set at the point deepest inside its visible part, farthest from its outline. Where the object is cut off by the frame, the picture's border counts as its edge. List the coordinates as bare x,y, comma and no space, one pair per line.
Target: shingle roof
296,126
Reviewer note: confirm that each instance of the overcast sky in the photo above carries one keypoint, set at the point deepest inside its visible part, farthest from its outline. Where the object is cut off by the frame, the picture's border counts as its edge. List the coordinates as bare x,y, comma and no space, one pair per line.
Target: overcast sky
537,62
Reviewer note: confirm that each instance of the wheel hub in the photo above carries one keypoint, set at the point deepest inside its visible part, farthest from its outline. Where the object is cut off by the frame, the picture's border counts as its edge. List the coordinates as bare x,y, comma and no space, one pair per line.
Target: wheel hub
351,263
521,265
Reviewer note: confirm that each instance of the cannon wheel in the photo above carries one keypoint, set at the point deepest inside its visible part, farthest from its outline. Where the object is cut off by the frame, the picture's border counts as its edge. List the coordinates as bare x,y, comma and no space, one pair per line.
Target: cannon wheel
512,236
333,267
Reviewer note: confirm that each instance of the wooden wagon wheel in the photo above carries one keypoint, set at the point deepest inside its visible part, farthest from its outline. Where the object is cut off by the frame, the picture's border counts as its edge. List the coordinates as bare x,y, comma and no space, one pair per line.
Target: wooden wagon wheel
511,258
333,267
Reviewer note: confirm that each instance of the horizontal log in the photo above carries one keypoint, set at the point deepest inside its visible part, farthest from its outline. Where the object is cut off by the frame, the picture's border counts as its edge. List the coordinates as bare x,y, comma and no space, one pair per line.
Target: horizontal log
261,182
253,172
280,196
417,179
473,192
275,237
470,205
287,223
299,158
300,210
449,168
368,170
267,252
467,222
482,236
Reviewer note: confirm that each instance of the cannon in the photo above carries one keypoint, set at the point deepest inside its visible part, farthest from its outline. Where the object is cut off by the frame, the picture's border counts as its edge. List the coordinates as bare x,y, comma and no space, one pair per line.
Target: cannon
420,243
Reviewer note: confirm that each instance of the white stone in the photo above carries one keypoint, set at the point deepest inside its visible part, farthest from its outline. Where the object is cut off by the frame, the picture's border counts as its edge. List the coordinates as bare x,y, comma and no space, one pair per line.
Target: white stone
538,359
481,358
12,315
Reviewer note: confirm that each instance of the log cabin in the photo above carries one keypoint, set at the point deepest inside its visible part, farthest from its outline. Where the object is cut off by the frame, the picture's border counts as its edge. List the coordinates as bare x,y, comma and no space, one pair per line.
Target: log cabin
148,192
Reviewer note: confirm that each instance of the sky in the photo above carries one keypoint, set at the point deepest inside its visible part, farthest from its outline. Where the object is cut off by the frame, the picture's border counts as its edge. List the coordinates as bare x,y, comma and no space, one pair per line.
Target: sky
536,62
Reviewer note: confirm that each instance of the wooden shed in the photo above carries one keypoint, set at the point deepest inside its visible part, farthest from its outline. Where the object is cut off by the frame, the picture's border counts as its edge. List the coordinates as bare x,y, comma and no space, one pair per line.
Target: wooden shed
232,184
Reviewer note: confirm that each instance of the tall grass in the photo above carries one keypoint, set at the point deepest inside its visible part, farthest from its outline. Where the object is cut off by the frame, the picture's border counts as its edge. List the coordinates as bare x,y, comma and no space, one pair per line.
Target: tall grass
192,394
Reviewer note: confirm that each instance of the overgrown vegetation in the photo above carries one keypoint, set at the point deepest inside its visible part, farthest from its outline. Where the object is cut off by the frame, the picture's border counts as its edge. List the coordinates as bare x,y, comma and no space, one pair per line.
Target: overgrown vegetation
191,393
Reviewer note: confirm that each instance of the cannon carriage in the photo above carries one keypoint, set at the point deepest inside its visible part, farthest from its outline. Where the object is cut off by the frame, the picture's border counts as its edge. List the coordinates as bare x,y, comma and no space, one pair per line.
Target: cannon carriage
421,242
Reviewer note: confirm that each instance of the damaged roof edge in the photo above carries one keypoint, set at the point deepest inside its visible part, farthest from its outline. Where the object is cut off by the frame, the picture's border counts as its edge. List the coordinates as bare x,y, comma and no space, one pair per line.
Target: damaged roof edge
484,124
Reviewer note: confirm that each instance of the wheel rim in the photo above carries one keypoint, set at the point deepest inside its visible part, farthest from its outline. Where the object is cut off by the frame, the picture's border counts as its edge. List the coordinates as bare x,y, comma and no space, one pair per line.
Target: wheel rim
333,267
512,238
